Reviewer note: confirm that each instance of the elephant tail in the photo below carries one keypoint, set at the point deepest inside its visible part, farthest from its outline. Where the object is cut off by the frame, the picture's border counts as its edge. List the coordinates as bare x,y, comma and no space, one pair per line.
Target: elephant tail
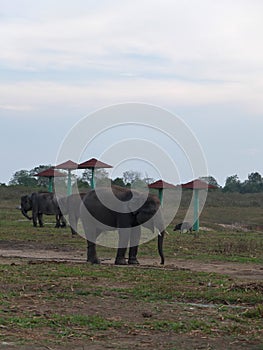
160,246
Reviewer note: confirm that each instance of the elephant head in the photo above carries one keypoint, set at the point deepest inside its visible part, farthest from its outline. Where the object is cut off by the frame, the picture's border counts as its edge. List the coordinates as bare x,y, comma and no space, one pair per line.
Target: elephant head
150,216
26,205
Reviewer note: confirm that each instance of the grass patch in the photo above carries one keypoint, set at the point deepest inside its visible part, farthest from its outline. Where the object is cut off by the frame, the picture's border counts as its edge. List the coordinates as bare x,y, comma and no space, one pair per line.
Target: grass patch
48,302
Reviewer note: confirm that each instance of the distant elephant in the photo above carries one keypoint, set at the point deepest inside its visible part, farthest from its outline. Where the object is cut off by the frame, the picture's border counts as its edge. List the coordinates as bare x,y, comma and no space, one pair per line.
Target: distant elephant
42,203
183,227
129,210
71,205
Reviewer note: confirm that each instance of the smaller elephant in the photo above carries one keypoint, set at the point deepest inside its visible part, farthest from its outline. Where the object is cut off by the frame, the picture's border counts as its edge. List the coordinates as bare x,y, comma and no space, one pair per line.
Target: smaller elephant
183,227
70,206
42,203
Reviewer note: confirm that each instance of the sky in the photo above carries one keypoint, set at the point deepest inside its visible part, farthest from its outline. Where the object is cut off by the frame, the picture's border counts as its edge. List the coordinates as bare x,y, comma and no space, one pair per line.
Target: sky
200,60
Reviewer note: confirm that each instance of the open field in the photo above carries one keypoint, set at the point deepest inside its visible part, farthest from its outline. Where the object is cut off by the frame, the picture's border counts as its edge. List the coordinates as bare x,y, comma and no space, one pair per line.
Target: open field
207,296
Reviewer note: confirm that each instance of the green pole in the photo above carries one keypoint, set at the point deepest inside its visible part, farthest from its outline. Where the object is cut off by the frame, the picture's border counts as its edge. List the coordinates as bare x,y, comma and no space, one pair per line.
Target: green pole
92,182
196,210
69,188
161,195
50,184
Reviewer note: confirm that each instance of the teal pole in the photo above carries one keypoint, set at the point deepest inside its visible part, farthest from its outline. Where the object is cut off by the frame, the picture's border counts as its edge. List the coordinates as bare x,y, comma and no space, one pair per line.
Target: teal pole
50,184
92,182
69,188
161,195
196,210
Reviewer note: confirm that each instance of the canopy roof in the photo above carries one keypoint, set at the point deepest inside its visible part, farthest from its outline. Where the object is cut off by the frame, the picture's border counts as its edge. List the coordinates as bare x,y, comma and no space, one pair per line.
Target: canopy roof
197,185
93,163
51,172
161,184
68,165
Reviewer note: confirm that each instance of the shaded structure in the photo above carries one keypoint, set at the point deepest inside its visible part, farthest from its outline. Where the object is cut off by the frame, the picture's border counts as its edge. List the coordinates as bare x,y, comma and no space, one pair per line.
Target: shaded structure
50,173
69,166
93,164
160,185
196,186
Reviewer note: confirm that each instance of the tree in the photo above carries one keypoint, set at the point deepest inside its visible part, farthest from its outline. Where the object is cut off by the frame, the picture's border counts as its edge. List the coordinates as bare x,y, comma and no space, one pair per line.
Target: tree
130,176
232,184
101,176
210,180
28,178
41,180
253,184
23,178
118,182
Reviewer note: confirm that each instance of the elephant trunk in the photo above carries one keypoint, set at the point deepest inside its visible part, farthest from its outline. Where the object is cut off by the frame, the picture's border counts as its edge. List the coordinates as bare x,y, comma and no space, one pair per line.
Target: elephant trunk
24,212
160,246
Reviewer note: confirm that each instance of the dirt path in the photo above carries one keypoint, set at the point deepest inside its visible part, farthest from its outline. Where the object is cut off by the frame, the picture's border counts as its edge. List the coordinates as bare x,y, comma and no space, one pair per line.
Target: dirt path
238,270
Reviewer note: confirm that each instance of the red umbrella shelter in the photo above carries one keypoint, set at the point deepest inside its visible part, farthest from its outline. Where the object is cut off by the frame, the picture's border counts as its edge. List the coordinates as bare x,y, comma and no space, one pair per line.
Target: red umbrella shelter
160,185
50,173
196,186
92,164
69,166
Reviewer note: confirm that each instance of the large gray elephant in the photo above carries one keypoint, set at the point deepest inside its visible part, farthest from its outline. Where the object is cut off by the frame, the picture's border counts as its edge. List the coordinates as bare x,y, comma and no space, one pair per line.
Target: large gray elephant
120,208
42,203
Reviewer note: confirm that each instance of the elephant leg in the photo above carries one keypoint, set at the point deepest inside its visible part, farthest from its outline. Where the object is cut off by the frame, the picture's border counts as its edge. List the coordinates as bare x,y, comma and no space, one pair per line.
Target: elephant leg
40,219
57,221
120,257
34,218
63,221
134,242
91,253
73,222
124,236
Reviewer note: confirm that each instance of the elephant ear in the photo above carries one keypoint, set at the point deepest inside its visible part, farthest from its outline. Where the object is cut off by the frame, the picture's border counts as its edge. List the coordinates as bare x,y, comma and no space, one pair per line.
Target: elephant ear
146,209
29,199
145,217
136,202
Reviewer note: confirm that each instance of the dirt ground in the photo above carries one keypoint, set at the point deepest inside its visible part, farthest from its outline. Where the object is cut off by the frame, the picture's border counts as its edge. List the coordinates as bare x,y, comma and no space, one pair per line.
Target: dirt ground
237,270
20,253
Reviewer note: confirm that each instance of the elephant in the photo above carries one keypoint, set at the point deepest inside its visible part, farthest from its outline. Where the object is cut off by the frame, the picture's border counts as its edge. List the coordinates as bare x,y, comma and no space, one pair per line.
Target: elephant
183,227
106,209
71,205
42,203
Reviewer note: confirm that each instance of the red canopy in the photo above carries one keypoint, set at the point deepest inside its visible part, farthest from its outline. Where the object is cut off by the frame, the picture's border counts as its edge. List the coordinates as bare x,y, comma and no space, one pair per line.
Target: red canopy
51,172
93,163
197,185
68,165
161,184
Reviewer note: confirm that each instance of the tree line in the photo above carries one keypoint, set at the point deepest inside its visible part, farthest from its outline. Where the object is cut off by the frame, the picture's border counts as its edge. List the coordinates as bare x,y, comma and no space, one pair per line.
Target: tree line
253,184
28,178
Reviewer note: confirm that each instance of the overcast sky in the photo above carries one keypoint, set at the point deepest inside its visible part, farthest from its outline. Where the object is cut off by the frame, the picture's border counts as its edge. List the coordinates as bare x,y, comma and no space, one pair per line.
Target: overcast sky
201,60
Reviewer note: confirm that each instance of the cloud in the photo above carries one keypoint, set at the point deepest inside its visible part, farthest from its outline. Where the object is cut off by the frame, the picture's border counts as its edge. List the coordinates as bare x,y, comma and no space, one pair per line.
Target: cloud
169,52
37,95
208,41
17,108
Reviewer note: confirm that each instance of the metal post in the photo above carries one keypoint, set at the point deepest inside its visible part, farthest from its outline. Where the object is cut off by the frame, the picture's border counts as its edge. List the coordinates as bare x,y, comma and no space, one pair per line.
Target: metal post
69,188
196,210
92,182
